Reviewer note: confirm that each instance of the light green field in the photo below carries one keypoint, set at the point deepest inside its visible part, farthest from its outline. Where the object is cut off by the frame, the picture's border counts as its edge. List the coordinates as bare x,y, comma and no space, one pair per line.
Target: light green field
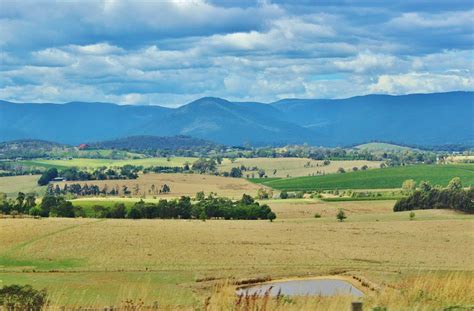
94,163
378,179
103,262
11,185
293,167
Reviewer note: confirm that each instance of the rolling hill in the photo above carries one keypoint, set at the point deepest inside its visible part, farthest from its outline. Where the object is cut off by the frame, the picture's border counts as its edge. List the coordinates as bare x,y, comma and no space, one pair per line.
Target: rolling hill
417,119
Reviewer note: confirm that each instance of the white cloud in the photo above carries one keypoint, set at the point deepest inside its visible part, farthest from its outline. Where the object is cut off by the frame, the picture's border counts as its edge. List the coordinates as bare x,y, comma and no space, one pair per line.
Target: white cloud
412,20
171,52
421,83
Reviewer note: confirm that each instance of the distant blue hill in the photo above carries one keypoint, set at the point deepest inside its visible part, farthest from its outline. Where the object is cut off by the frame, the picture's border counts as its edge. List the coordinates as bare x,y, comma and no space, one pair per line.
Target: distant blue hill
417,119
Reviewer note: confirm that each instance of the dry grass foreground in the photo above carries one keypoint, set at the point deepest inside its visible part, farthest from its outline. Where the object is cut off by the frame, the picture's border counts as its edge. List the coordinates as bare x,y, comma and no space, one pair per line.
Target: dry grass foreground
101,262
181,184
294,167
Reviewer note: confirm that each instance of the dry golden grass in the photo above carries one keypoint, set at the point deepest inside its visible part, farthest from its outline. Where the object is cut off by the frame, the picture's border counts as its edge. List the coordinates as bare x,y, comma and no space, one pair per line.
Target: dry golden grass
307,208
294,167
182,184
431,291
460,159
245,248
100,262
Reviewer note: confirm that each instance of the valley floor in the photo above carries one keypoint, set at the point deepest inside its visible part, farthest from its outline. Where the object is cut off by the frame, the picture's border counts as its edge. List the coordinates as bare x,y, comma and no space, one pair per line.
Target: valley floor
178,262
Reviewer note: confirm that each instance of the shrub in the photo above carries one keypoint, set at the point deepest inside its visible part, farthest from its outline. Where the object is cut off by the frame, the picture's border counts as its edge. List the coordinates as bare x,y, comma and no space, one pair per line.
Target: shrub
271,216
35,211
412,215
22,297
341,215
284,195
317,215
299,194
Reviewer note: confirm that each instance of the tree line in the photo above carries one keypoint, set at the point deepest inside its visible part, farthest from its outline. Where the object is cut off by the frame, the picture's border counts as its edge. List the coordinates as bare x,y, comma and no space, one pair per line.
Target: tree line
428,197
94,190
203,208
101,173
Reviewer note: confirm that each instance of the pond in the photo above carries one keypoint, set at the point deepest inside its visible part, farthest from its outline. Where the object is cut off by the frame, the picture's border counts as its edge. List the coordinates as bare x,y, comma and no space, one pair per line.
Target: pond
312,287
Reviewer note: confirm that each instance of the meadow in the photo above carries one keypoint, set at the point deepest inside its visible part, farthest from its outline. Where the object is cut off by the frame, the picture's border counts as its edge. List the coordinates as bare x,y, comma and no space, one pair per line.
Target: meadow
11,185
94,163
178,263
180,184
386,178
293,167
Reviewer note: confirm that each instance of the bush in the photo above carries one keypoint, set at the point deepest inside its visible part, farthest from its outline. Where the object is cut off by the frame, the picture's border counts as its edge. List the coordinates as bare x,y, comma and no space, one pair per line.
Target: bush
317,215
35,211
22,297
271,216
284,195
341,215
412,215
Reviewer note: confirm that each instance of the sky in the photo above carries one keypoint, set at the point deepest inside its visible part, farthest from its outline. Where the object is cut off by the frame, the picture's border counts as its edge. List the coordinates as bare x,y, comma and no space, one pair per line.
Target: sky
169,53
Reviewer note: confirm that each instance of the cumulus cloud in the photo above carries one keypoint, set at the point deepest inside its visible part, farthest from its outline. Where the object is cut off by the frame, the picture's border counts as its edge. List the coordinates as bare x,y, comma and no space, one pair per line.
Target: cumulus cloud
421,83
172,52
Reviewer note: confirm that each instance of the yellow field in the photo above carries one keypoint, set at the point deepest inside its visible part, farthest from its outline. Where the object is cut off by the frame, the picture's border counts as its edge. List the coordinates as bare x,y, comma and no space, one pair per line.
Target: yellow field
293,167
103,262
93,163
182,184
11,185
307,208
460,159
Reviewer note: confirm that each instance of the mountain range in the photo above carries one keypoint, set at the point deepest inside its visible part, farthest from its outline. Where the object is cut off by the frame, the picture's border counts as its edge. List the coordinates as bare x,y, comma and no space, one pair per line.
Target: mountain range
419,119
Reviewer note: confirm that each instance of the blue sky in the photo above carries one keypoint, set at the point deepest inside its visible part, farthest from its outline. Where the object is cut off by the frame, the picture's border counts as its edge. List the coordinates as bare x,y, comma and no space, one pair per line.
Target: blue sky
171,52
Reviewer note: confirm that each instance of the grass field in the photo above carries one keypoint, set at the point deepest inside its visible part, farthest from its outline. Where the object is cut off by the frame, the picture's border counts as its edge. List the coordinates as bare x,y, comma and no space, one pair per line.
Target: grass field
383,147
293,167
103,262
182,184
94,163
11,185
378,179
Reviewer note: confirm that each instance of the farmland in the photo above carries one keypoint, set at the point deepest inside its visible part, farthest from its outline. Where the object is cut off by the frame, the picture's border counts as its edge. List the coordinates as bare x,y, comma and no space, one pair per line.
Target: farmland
13,184
180,184
294,167
94,163
162,260
98,262
378,179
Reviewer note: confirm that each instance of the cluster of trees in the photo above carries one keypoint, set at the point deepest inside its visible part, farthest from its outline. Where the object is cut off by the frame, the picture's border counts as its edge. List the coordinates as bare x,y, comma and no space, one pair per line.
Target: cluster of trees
50,206
22,297
15,169
183,208
428,197
21,205
205,208
101,173
95,190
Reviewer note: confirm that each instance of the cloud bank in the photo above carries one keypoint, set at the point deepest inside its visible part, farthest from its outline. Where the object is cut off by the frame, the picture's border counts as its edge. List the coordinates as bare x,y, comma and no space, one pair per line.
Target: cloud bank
171,52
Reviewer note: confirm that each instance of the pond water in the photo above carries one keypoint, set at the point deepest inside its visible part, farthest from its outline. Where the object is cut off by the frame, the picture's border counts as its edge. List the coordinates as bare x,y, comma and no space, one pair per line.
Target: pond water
315,287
